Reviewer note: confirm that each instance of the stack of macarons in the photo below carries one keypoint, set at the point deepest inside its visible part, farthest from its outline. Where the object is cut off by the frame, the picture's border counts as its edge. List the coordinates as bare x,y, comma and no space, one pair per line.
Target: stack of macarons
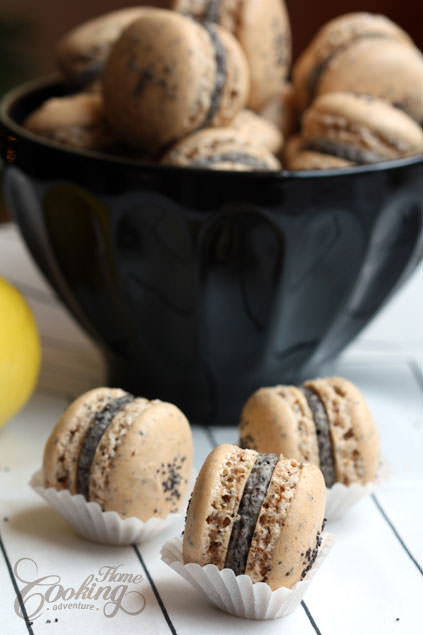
205,84
170,81
358,89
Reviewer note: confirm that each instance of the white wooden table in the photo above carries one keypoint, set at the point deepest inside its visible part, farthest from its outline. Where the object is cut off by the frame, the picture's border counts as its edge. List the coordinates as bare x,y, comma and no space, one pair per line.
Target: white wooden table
371,582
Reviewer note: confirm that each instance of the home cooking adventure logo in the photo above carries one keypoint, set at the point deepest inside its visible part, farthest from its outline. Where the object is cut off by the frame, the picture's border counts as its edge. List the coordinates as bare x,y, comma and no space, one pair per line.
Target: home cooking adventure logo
109,590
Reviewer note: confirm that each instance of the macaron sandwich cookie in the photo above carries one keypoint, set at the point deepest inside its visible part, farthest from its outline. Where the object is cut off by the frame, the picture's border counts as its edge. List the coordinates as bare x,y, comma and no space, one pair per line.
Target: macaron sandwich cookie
77,121
296,156
366,54
341,129
258,514
325,421
263,30
168,75
221,149
109,446
81,53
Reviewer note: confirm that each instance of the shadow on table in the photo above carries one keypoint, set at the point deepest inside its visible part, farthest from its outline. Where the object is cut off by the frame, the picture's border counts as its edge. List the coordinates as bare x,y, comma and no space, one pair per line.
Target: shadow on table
42,523
188,606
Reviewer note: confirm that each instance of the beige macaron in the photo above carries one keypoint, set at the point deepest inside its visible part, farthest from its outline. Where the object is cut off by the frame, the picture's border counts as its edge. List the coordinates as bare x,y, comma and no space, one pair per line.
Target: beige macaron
366,54
257,514
258,130
325,421
296,158
77,121
109,447
81,53
263,30
359,129
282,110
168,75
221,149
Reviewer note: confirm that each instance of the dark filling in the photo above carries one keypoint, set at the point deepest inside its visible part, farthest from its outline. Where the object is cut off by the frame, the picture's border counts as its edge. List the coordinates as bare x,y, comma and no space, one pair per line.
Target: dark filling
315,75
321,421
249,508
350,153
96,429
220,62
212,11
231,157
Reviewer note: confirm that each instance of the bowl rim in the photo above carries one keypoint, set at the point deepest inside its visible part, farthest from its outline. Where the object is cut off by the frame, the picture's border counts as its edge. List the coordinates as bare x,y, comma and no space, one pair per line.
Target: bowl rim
24,89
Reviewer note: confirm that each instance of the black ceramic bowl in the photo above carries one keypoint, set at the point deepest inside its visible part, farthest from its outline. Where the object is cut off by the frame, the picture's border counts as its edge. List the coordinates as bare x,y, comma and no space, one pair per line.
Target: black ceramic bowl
200,286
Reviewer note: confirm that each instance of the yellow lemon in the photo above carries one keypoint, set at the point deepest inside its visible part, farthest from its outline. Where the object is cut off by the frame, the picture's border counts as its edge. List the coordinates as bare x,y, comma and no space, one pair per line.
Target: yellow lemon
20,351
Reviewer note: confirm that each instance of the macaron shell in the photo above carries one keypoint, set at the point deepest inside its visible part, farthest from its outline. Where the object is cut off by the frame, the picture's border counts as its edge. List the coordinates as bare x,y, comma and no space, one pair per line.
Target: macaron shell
355,439
214,504
388,69
149,466
293,546
82,52
365,123
295,158
258,130
209,144
159,79
76,121
265,35
237,85
60,460
334,35
282,111
279,420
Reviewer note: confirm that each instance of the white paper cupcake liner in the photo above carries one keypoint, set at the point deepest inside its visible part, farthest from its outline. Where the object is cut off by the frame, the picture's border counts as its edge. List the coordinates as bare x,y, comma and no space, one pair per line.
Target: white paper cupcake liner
340,498
236,594
91,522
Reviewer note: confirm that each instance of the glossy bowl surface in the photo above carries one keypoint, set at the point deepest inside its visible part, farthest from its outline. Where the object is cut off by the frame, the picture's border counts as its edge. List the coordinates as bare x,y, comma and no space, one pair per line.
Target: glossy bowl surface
200,286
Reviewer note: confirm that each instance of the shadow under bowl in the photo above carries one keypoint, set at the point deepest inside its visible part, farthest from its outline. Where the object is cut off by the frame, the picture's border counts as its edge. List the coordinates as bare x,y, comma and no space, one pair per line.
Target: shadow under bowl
200,286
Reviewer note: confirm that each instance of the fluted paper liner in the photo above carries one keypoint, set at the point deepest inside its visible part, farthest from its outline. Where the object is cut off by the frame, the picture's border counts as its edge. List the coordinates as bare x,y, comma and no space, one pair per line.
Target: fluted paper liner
91,522
340,498
237,594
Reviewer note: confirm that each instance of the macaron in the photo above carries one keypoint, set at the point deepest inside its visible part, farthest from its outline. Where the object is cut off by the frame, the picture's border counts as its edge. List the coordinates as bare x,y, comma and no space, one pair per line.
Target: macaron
81,53
258,130
220,149
359,129
282,110
169,75
127,453
257,514
366,54
263,30
77,121
325,421
297,158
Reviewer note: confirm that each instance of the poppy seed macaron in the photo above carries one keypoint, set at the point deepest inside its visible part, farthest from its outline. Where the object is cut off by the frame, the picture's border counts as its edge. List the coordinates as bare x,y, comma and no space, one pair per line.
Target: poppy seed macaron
282,110
263,30
169,75
257,514
258,130
77,121
366,54
109,446
296,157
325,421
220,149
81,53
359,129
